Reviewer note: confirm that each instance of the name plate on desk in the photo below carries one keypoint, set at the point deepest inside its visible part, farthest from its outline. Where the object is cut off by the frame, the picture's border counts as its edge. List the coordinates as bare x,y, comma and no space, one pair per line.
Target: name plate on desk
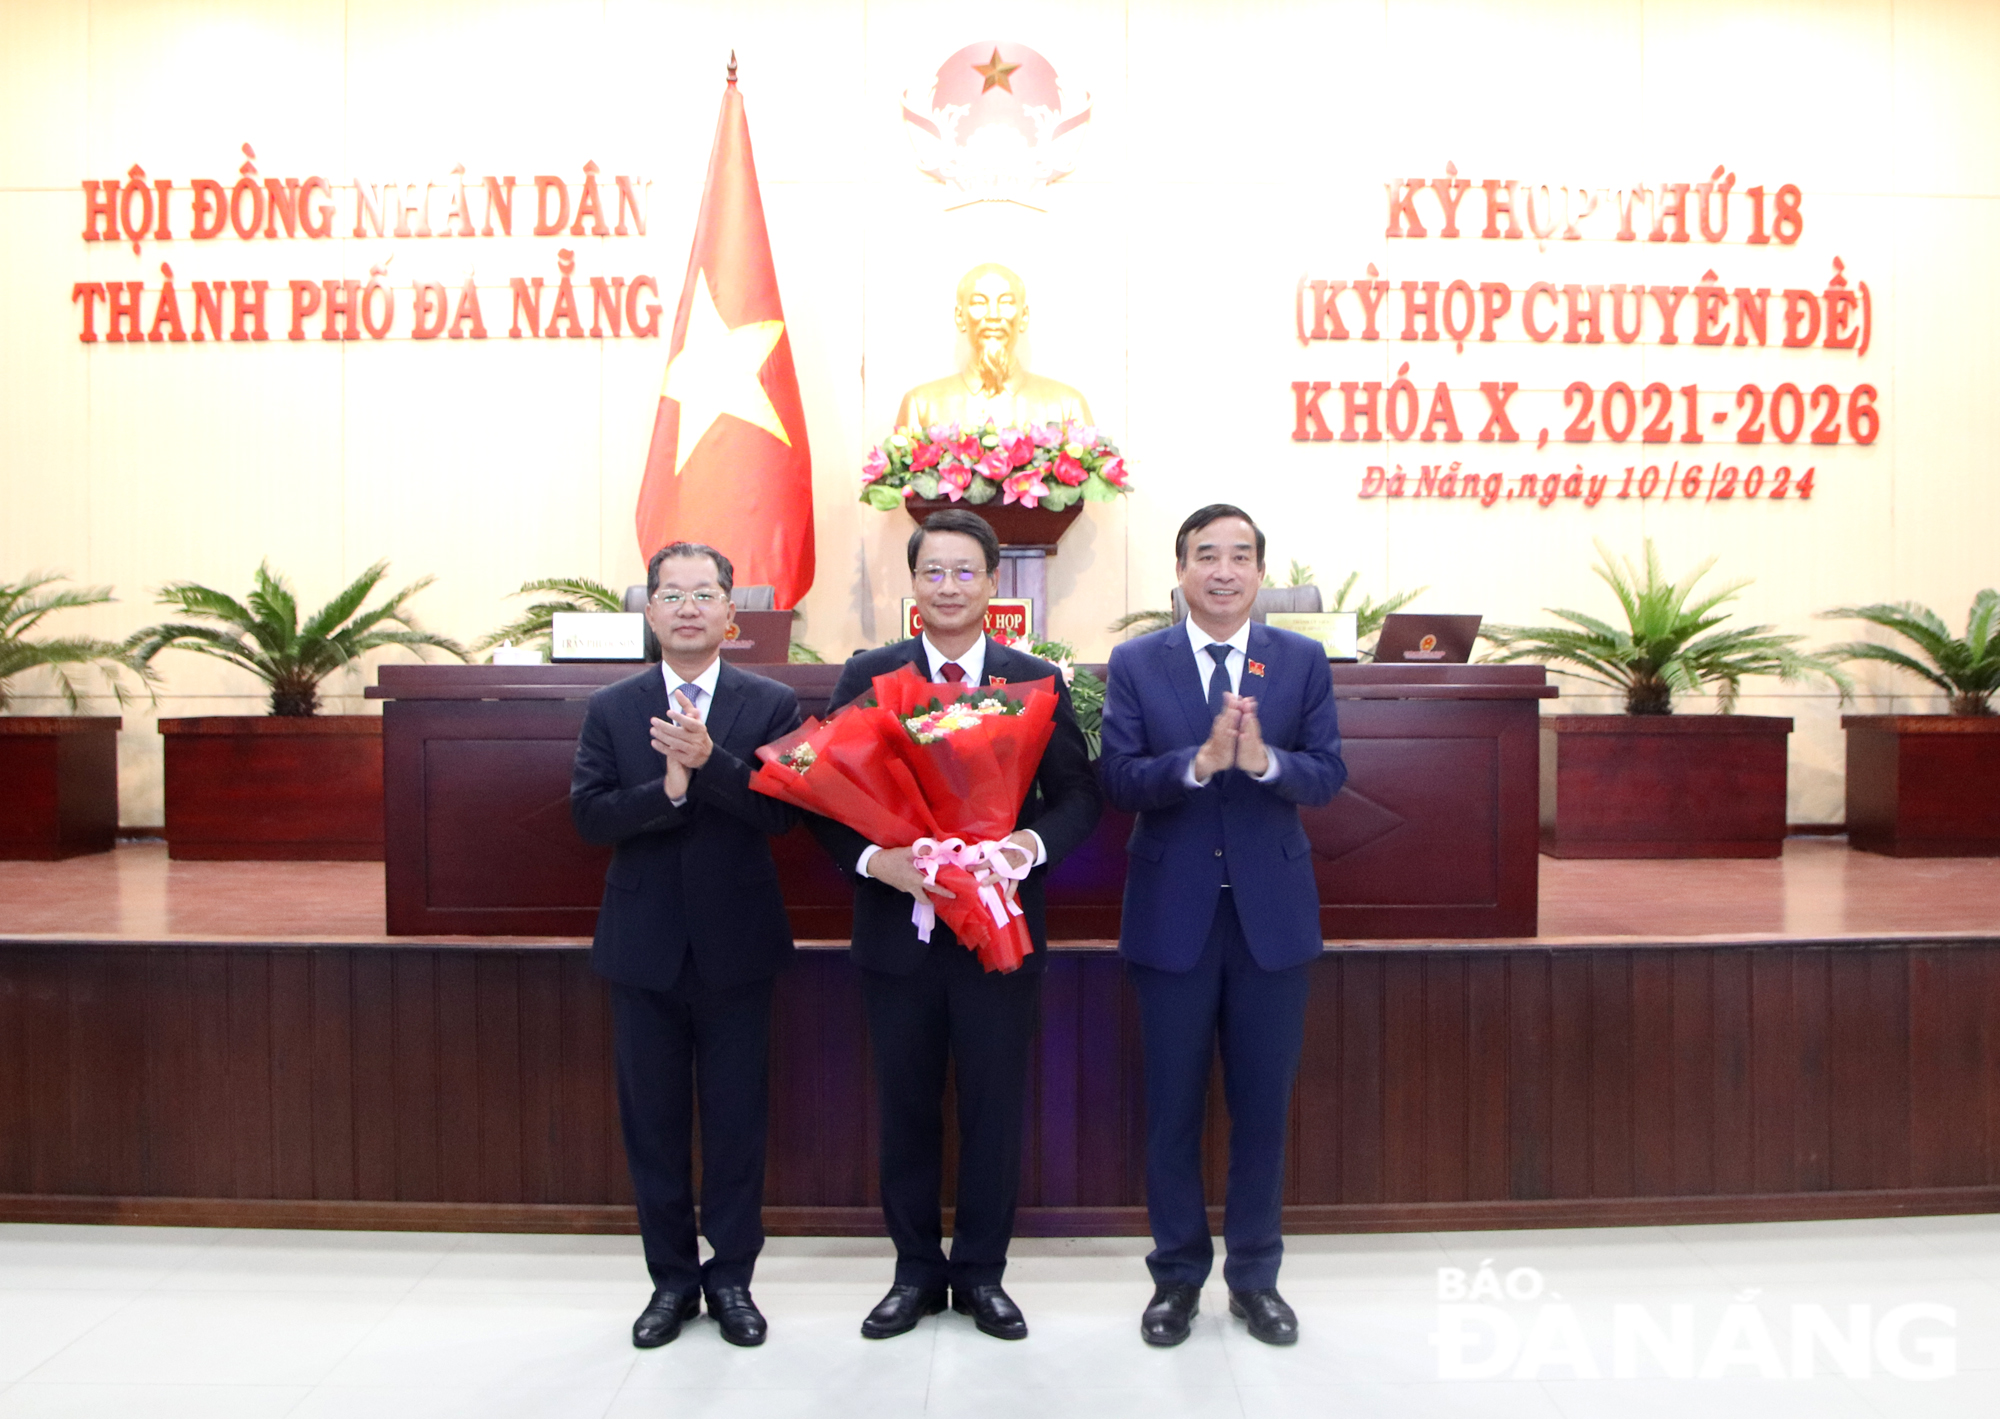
1336,630
597,635
1008,618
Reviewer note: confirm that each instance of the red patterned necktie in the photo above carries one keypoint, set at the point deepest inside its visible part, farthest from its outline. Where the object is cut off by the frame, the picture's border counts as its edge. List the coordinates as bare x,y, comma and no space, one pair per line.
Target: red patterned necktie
953,672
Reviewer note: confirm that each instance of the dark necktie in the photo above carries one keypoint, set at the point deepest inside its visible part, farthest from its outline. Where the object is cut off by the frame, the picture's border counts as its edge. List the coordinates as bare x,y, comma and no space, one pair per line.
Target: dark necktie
1218,683
693,693
953,672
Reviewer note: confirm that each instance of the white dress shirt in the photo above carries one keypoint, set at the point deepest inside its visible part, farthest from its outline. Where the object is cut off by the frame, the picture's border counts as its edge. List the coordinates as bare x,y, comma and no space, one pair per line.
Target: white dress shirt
1234,663
703,697
973,662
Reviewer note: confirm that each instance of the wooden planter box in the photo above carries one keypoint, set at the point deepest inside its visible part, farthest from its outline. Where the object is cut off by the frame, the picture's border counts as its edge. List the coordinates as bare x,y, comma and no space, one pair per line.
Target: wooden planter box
1708,785
58,785
1923,785
1014,525
262,788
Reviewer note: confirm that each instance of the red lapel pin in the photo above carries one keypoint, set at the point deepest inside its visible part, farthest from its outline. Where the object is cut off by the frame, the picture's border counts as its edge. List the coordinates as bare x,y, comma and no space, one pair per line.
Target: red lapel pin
996,679
1256,667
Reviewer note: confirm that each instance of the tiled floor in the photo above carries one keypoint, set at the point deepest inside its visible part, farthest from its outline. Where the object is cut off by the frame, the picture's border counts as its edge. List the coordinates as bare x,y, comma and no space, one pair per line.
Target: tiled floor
155,1324
1818,888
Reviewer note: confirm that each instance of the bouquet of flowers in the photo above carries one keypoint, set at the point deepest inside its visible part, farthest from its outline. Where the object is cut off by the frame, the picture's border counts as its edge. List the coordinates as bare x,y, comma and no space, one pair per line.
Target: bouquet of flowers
940,769
1043,465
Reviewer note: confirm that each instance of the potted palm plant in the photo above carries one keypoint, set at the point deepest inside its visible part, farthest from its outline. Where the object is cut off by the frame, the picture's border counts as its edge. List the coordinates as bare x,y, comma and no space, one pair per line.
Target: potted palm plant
1928,785
1650,783
293,784
60,771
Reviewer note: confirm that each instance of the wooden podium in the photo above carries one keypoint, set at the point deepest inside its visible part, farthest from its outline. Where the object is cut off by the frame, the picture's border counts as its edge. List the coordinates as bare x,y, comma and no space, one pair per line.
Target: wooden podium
1433,837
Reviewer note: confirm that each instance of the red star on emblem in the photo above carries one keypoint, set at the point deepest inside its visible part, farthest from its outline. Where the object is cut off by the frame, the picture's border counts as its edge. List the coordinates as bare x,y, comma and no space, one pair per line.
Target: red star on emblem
995,73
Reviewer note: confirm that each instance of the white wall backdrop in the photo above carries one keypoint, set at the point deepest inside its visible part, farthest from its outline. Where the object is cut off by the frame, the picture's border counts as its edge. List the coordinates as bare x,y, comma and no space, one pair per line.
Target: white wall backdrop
1233,148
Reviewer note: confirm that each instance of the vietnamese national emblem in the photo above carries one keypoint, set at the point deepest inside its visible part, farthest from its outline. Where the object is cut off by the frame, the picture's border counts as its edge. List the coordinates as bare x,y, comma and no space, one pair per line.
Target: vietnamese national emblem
996,124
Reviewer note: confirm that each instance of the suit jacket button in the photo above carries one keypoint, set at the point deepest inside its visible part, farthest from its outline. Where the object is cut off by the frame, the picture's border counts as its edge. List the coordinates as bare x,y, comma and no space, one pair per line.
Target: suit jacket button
1218,852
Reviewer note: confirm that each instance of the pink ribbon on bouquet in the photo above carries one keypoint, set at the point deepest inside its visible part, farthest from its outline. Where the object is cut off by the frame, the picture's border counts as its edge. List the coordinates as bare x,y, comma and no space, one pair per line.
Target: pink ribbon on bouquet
986,861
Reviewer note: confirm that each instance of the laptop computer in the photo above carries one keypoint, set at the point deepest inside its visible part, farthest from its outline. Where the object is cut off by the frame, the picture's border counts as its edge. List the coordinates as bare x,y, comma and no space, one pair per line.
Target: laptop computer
1413,639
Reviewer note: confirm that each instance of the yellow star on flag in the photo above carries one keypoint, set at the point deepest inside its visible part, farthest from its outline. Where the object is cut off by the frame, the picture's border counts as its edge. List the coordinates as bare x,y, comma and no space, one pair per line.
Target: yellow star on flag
716,371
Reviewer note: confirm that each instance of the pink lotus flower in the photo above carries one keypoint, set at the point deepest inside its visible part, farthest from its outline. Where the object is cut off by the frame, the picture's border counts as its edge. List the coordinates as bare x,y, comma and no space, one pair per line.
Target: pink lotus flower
924,455
1112,471
1025,488
1045,435
954,481
968,449
996,465
874,466
1020,452
1068,470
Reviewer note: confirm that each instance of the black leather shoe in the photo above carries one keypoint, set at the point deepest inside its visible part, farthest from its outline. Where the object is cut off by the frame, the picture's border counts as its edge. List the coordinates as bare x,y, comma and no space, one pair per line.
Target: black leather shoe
992,1310
1170,1316
1271,1320
898,1312
736,1315
662,1319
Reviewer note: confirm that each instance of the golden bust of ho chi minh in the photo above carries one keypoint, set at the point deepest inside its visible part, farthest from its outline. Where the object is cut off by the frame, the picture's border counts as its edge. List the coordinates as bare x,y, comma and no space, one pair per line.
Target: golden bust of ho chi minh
993,386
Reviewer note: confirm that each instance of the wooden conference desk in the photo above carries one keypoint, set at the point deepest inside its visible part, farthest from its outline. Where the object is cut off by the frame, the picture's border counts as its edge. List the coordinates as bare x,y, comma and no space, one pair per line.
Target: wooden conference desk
1433,837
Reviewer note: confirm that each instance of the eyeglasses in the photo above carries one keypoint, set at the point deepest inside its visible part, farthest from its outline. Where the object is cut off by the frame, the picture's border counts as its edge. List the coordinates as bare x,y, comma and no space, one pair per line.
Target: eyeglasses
671,599
935,574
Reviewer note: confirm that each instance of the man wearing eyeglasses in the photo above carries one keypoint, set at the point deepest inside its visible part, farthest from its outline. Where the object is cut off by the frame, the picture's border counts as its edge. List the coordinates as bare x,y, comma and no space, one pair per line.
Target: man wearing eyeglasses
691,932
933,1004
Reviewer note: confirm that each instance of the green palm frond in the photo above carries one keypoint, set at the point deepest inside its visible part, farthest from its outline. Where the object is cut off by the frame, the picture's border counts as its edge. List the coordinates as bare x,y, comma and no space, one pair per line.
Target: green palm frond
396,608
595,594
411,638
535,627
204,640
1889,655
1966,668
209,604
1138,623
23,606
277,611
1086,697
337,611
1980,624
1369,614
261,634
1669,644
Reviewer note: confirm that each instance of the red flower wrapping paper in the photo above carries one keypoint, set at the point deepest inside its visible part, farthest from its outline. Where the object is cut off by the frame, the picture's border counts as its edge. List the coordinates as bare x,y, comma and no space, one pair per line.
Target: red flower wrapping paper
942,769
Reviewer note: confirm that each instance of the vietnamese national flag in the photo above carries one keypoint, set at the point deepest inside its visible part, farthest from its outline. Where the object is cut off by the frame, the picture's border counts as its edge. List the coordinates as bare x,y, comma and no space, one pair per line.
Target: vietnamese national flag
729,464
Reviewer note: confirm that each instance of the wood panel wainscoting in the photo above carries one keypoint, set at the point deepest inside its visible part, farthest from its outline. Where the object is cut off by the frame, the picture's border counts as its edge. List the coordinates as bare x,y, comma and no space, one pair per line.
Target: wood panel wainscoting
422,1086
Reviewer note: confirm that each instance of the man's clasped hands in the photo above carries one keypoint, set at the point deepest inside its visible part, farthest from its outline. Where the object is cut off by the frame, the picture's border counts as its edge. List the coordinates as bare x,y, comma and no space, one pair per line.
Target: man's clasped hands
682,739
1235,741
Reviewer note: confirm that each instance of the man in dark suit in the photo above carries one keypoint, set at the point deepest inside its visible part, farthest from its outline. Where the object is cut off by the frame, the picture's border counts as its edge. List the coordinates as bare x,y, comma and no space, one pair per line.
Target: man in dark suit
691,932
1216,732
928,1004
